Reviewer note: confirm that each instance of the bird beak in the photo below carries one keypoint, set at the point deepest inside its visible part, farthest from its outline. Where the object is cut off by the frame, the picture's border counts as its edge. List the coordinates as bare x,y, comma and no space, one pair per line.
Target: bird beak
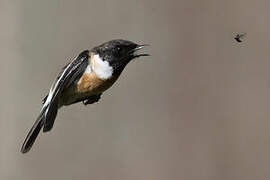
135,50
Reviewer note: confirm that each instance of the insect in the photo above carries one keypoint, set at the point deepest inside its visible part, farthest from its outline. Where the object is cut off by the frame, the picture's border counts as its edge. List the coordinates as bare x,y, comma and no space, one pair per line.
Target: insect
239,37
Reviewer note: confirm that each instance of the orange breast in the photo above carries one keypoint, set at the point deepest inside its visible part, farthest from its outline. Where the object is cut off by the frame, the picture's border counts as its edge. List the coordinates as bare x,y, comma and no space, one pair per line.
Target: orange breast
91,84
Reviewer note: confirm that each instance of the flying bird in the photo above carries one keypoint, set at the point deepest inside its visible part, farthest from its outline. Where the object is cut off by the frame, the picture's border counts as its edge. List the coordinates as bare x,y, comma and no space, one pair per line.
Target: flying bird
239,37
84,80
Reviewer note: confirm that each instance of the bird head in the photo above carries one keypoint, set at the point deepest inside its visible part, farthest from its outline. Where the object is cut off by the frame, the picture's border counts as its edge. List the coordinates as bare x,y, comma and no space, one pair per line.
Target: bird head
116,54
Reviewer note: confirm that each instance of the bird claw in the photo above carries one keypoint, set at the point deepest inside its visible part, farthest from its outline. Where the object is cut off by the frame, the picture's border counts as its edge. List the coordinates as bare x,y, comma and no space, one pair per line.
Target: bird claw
91,100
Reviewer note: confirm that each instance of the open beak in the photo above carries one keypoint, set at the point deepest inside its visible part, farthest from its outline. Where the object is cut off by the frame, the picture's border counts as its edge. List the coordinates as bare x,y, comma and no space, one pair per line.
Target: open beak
135,51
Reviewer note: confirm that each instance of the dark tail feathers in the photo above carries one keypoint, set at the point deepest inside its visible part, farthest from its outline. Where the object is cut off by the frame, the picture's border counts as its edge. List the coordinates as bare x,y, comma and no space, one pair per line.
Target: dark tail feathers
50,115
33,133
45,120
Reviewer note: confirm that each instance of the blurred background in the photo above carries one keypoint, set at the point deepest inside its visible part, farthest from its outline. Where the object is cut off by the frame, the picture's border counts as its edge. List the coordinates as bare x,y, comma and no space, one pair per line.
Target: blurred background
198,108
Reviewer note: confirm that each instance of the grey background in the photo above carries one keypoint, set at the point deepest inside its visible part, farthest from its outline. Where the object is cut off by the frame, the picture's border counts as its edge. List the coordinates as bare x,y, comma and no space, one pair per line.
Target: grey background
198,108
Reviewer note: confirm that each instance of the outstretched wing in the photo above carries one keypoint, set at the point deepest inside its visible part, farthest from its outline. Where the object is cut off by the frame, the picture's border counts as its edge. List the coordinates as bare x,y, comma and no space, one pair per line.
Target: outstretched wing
70,74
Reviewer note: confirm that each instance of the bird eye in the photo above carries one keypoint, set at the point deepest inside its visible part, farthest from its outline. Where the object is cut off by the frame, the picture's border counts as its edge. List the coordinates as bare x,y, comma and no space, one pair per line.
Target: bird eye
119,49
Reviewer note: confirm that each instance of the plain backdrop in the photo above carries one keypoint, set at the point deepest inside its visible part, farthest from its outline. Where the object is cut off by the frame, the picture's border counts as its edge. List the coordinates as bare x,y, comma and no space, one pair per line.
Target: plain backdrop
198,108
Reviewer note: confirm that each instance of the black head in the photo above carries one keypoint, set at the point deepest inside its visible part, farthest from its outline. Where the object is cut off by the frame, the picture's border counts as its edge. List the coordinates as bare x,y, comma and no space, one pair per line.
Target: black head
118,52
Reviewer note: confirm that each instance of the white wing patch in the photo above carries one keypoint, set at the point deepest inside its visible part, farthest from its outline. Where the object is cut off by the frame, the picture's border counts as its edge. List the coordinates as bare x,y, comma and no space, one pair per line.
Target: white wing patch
102,68
49,98
88,70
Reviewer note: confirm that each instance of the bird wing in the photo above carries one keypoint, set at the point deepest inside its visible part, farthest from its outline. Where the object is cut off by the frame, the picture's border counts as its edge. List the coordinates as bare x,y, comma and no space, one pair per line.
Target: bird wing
69,75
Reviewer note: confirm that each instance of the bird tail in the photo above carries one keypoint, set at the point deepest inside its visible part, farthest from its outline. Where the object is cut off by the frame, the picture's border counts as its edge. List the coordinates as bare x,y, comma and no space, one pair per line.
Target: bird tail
45,119
34,131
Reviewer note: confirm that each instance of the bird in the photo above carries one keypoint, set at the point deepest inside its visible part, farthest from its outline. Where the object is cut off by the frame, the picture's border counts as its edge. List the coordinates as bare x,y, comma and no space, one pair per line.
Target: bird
84,79
239,37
